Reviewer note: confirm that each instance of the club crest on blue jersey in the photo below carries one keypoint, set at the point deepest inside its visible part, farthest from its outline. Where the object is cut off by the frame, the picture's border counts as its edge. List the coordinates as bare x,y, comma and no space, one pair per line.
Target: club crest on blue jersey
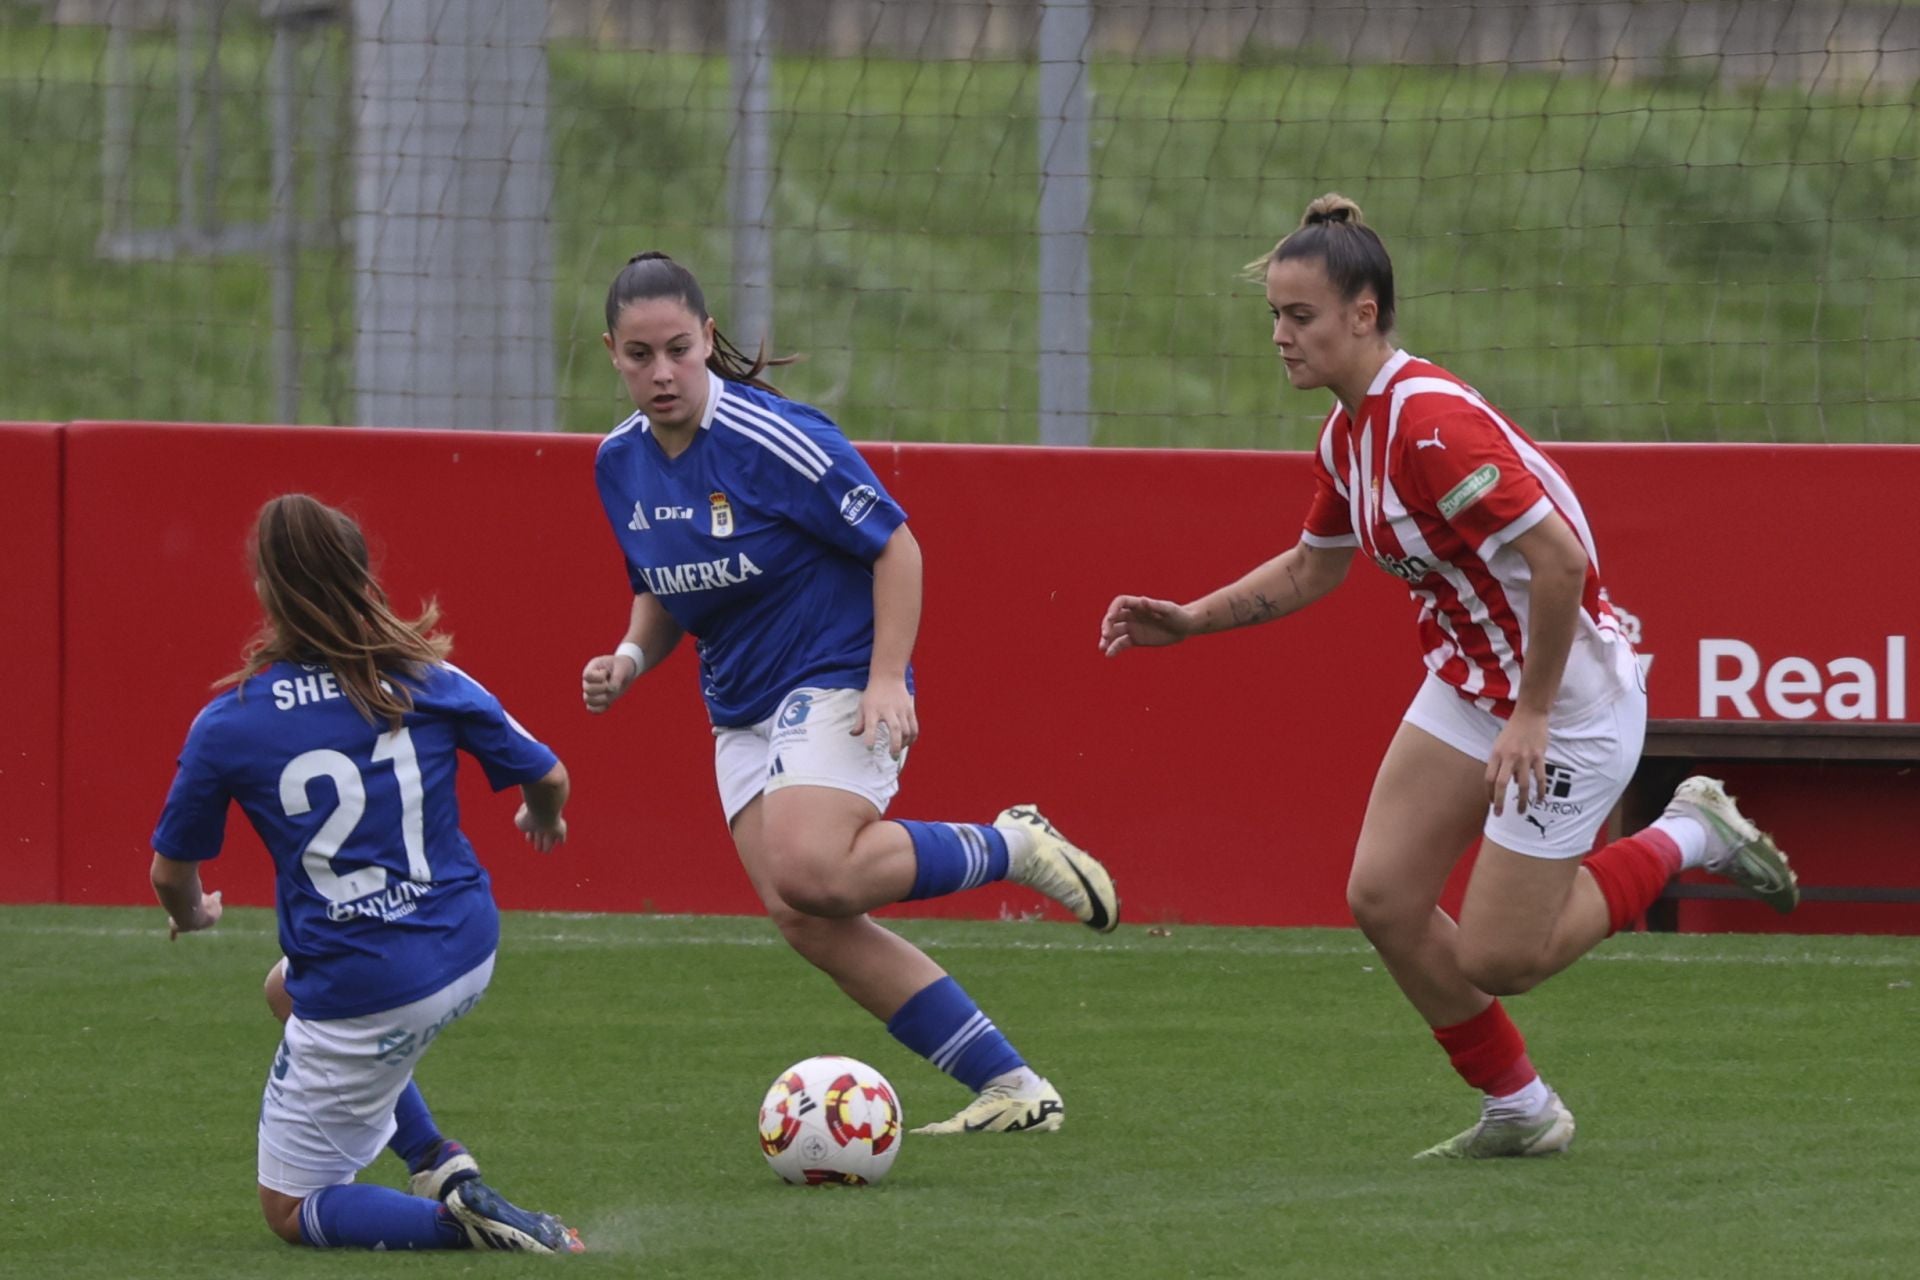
765,530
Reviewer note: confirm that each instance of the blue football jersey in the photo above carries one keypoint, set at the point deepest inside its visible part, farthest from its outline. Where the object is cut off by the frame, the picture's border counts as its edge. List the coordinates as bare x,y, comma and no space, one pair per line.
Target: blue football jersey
379,897
758,539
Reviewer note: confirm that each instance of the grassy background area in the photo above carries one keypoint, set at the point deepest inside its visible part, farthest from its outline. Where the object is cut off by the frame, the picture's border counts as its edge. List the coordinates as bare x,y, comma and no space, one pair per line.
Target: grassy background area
1240,1103
1649,260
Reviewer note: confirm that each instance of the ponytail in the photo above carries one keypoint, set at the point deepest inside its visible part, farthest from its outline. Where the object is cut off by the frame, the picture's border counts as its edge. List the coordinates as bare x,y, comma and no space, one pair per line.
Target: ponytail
1333,231
654,275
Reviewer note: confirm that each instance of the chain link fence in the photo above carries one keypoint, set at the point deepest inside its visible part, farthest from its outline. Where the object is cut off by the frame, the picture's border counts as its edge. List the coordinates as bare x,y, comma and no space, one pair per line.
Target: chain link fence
1001,222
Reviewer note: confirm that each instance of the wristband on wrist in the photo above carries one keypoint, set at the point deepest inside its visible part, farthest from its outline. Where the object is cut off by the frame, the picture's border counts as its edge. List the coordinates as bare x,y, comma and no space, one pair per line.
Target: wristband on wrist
628,649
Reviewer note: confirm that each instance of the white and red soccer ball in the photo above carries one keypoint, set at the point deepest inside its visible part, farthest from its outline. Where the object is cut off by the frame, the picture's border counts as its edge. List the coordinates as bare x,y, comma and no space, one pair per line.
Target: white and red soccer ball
831,1120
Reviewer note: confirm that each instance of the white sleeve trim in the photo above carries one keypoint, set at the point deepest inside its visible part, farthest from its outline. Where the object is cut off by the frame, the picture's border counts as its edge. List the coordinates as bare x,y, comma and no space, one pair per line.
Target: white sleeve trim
794,437
1318,540
1532,516
781,448
636,419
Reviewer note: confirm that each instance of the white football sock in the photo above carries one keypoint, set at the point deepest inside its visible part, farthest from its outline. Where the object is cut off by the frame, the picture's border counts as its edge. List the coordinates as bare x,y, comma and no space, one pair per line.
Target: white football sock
1689,833
1530,1101
1018,1079
1019,842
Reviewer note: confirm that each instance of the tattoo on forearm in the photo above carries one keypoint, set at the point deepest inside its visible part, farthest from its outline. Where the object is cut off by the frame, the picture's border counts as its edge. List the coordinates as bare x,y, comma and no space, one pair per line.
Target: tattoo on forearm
1261,608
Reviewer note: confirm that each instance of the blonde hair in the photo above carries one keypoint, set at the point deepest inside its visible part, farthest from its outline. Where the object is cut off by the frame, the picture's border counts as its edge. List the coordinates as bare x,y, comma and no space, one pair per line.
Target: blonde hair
324,605
1334,231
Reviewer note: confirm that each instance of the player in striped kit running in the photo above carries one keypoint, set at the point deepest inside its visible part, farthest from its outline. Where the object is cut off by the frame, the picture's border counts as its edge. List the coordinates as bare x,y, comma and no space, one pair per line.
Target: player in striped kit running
1531,718
748,521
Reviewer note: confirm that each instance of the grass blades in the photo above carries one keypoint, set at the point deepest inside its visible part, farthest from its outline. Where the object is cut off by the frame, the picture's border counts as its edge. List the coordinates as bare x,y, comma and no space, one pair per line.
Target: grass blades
1240,1102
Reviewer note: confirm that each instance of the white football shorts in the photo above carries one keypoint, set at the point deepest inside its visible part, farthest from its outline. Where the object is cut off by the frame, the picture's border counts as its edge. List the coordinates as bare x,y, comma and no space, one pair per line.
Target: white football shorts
328,1109
805,743
1590,760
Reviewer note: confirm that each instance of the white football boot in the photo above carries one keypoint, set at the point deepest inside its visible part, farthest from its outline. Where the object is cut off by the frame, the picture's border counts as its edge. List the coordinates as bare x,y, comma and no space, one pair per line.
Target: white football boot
1043,859
1736,849
1502,1133
1007,1105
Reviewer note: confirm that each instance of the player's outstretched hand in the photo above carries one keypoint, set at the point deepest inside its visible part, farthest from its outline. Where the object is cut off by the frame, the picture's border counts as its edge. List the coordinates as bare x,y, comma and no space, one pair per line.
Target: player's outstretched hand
886,704
545,837
207,917
605,679
1139,621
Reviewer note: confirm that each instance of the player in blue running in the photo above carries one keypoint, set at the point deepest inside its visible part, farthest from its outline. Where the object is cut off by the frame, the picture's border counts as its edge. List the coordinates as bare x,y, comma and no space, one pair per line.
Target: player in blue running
748,521
338,740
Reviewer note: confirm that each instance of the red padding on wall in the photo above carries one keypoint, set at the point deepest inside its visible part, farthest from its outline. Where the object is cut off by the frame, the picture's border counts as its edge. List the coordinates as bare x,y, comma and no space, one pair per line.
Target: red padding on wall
30,659
1223,781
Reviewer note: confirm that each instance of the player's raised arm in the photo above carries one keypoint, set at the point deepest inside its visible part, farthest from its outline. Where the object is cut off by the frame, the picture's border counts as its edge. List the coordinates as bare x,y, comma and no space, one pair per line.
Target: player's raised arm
651,636
1285,584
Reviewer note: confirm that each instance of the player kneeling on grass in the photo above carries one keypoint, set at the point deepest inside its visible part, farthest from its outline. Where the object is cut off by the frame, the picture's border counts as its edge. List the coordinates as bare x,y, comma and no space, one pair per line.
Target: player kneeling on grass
338,740
1533,712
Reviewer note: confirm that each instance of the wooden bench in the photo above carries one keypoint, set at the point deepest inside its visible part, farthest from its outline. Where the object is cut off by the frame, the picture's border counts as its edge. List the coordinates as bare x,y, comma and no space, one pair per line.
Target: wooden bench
1676,748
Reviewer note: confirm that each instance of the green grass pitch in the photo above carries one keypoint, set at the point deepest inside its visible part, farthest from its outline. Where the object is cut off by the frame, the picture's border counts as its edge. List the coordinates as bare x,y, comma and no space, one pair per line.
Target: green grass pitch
1241,1102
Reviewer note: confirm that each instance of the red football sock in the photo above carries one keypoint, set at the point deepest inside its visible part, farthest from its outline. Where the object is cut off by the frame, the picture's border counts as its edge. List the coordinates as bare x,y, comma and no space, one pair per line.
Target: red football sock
1631,872
1488,1052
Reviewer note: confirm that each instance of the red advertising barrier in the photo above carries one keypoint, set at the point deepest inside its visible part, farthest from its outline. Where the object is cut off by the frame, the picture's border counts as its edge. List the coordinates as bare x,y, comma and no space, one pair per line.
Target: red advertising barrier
1769,584
30,660
1223,781
1168,764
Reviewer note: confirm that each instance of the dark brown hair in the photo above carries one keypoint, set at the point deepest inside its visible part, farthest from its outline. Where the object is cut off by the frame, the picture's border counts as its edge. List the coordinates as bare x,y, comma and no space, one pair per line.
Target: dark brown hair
1333,231
323,605
654,275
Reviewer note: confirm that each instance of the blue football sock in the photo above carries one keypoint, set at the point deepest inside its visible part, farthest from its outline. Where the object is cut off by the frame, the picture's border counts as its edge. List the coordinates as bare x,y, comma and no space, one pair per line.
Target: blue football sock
370,1217
951,856
942,1024
415,1137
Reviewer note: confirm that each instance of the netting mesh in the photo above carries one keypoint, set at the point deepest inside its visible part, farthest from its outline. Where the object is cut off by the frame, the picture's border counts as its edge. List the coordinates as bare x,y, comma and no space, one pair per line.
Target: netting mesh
1687,221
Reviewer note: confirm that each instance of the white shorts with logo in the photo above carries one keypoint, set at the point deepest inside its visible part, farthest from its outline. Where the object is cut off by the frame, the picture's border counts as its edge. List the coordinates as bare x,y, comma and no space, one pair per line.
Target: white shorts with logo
328,1109
1589,762
806,742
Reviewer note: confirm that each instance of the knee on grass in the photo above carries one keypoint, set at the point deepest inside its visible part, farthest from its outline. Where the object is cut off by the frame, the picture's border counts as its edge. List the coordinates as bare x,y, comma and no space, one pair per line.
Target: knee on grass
282,1213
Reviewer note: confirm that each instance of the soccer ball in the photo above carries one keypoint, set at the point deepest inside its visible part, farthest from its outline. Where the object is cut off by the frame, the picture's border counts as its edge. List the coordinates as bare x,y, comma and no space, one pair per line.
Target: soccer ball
831,1120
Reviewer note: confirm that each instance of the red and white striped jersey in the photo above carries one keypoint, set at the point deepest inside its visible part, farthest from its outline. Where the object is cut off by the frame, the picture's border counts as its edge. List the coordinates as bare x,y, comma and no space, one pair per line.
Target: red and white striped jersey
1435,484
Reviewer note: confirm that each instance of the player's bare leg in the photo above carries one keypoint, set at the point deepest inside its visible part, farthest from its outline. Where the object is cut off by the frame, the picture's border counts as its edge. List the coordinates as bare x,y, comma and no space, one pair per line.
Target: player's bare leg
1427,807
880,971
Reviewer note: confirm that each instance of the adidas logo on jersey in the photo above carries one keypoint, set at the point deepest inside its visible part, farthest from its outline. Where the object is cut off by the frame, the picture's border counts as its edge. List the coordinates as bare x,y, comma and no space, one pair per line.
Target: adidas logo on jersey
639,521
